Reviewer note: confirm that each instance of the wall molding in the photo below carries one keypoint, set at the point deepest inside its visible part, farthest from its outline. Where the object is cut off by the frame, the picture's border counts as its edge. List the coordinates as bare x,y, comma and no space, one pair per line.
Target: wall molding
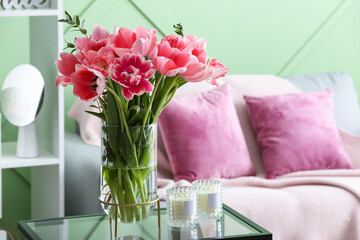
325,26
147,17
82,12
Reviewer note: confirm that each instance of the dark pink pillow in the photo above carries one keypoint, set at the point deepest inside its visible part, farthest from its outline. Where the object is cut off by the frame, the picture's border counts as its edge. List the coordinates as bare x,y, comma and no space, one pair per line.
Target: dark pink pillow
297,132
203,137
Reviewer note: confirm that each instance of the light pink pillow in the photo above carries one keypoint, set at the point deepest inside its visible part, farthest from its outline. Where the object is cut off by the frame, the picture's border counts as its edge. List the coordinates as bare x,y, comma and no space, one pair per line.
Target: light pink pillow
203,137
297,132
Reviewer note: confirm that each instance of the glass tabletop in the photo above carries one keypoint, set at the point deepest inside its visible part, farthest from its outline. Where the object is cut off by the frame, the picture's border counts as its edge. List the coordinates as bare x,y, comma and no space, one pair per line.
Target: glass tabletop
231,225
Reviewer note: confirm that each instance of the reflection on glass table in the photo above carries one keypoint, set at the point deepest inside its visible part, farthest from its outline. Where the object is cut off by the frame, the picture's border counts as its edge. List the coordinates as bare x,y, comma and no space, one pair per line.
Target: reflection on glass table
231,225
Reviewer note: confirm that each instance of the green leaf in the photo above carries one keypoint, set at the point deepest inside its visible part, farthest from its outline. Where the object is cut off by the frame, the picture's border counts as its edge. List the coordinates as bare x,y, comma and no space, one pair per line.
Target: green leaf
137,118
133,111
82,24
99,115
77,20
93,106
63,20
68,15
70,45
178,29
112,110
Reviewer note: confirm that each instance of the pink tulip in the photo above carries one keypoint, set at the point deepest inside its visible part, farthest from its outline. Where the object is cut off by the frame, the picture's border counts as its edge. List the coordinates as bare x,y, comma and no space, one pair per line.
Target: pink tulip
62,81
88,83
95,52
99,33
196,69
66,66
170,60
140,41
198,50
95,42
215,70
132,72
67,63
101,60
179,42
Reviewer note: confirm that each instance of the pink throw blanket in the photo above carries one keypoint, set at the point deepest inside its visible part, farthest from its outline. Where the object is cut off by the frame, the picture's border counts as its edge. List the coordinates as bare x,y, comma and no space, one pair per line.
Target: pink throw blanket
304,205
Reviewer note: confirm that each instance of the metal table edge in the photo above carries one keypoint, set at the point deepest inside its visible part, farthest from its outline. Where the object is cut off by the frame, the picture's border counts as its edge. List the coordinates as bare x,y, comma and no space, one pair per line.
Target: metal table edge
26,230
258,236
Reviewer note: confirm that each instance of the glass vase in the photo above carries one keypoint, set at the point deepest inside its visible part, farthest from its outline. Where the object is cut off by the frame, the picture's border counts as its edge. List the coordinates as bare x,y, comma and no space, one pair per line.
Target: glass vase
128,171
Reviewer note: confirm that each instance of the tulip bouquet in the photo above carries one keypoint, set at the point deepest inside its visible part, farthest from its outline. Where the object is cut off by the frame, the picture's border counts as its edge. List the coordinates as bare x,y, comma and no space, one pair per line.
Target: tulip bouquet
130,77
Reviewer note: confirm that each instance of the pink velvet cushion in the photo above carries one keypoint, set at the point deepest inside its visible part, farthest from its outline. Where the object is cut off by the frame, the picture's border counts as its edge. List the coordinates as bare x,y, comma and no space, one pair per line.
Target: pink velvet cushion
297,132
203,137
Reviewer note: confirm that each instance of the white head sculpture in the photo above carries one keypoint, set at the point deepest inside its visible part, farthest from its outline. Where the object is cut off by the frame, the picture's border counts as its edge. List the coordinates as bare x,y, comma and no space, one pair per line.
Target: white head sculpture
22,94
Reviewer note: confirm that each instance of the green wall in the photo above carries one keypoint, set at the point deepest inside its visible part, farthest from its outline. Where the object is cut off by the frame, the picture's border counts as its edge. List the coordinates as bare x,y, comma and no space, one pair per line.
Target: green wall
281,37
14,42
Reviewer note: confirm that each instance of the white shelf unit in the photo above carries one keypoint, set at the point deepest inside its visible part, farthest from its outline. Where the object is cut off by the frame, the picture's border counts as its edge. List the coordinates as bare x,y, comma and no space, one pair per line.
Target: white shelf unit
9,160
28,12
47,170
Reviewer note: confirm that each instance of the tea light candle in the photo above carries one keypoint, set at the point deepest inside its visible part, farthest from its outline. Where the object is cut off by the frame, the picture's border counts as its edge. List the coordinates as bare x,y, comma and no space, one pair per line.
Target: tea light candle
209,198
181,206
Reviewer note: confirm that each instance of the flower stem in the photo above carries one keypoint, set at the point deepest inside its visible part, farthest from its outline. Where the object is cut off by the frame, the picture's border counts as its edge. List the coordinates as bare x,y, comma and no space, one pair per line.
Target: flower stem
165,95
158,80
171,96
157,83
122,116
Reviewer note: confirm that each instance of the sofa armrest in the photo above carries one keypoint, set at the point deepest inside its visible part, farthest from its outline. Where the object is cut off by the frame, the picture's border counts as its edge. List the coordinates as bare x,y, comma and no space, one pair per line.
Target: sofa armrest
352,147
82,176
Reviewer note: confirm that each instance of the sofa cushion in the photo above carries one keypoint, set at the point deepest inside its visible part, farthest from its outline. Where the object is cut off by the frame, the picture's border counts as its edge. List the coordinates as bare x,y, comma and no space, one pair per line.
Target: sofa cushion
297,132
203,137
239,85
347,110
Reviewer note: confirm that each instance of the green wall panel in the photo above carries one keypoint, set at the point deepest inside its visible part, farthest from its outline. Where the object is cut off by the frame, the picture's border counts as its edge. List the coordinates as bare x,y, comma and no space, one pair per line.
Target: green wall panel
248,36
281,37
337,50
16,201
14,50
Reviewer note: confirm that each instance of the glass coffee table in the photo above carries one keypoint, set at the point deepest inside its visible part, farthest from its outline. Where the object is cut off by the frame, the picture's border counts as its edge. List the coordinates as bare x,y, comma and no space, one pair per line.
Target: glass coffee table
231,225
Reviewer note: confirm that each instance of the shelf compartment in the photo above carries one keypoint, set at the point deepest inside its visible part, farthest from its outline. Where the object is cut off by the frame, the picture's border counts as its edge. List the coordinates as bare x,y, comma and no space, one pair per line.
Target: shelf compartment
9,159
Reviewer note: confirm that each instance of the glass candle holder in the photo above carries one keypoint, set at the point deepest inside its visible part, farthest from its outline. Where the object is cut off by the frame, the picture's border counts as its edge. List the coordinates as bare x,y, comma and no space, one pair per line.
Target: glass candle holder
209,198
181,206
